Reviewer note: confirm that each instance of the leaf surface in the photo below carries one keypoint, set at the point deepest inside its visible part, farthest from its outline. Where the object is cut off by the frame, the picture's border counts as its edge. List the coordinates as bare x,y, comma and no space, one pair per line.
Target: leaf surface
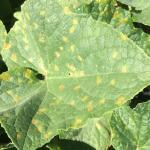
131,128
143,17
88,69
2,35
144,6
96,133
140,5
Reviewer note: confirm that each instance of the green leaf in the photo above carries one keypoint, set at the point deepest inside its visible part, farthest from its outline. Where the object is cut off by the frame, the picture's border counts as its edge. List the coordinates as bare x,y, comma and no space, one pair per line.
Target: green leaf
123,21
105,9
109,12
143,17
139,5
131,128
2,35
144,5
96,133
89,69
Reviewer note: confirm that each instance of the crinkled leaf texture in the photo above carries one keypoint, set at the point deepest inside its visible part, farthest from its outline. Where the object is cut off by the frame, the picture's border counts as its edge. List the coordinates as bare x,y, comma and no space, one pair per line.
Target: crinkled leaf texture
89,69
143,17
138,4
131,128
96,133
144,6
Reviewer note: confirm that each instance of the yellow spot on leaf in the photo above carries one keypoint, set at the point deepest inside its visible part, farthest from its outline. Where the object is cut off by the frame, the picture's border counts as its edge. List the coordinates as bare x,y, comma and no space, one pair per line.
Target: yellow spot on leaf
42,13
35,25
114,55
78,121
17,98
124,20
85,98
72,103
42,110
67,11
116,15
72,48
124,69
5,76
113,82
61,48
80,58
71,67
124,37
75,21
57,54
41,39
90,106
120,100
18,136
61,88
72,29
14,57
39,128
7,46
77,88
47,135
65,39
98,126
77,74
102,101
98,80
56,68
28,73
35,122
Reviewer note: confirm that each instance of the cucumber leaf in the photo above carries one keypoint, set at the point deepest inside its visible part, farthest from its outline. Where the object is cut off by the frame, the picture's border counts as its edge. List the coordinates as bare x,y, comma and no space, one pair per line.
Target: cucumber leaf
2,35
139,5
143,17
144,6
131,128
96,132
86,69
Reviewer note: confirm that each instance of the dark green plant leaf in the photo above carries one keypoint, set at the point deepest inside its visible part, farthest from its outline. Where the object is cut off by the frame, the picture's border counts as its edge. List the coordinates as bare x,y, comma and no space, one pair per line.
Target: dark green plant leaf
87,67
123,21
144,6
96,133
131,128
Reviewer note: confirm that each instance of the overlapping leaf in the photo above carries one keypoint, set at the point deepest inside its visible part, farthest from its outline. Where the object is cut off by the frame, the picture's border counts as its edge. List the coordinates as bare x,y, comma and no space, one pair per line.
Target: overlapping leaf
88,67
131,128
96,133
144,6
140,5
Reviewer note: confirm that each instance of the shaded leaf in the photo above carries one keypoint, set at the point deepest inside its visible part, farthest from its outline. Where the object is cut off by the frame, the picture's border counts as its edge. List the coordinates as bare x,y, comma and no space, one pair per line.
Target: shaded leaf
140,5
143,17
144,6
131,128
96,133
